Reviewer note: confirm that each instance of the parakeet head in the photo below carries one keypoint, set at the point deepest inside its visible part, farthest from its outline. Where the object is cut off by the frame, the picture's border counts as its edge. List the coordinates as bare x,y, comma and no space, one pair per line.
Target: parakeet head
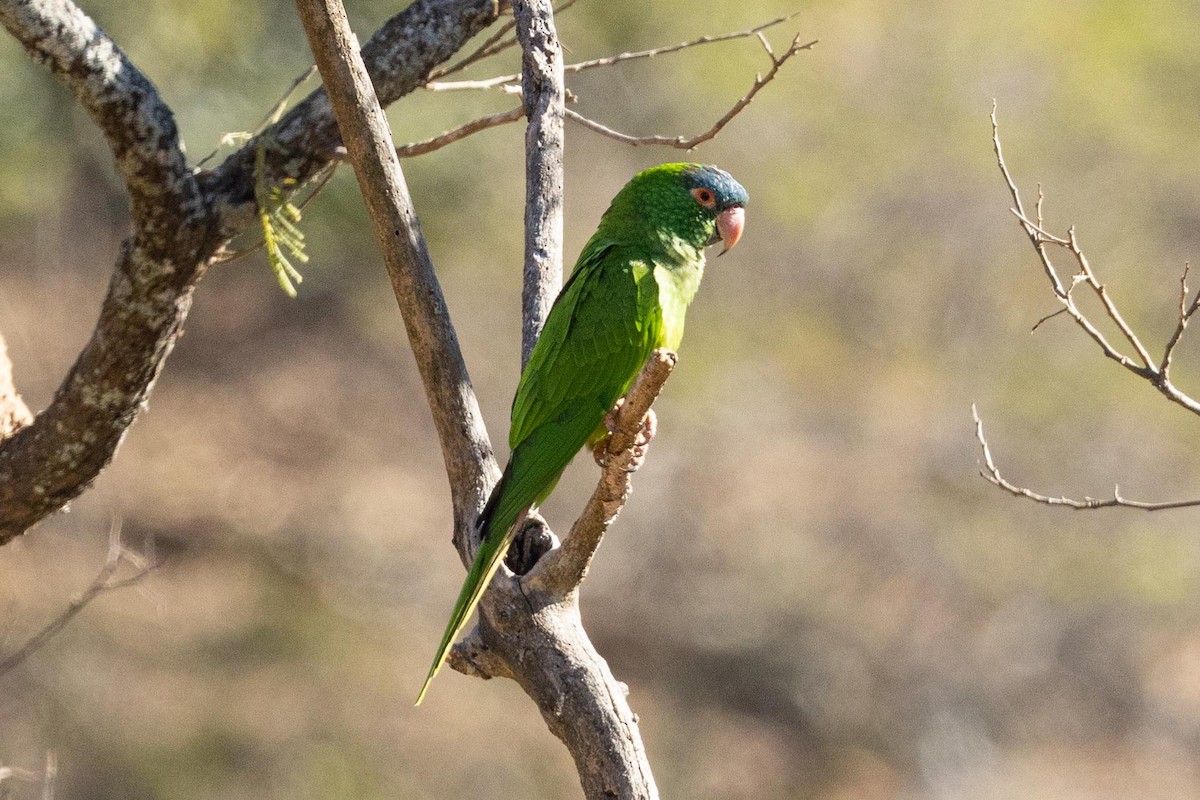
690,204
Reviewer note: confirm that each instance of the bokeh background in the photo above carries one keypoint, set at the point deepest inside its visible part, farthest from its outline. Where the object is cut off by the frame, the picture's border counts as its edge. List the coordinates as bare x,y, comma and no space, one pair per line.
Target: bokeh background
812,594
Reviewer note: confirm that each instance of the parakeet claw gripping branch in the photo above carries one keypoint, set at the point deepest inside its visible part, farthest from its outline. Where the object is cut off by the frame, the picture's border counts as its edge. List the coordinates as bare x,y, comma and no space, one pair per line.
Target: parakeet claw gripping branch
626,297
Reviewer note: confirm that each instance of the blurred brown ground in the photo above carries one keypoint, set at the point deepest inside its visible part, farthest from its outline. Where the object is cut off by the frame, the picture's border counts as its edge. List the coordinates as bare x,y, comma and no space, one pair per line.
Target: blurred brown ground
811,593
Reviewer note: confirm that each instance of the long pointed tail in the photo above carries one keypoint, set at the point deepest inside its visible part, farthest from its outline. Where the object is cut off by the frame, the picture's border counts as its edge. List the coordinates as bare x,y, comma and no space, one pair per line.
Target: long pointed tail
493,546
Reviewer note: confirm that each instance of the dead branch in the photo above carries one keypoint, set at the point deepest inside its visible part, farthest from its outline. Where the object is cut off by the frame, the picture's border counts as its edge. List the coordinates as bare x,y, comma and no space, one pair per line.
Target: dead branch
105,581
563,569
495,44
1141,364
501,81
684,143
991,472
461,132
466,450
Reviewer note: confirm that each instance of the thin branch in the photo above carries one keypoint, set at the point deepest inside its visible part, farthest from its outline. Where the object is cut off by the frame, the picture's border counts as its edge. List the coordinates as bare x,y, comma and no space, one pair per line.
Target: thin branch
543,96
105,581
992,473
1144,366
562,570
608,61
1186,311
684,143
493,45
470,465
461,132
580,66
49,462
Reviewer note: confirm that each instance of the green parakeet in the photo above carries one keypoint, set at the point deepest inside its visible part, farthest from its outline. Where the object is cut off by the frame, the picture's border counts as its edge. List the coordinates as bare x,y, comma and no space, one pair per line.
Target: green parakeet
625,298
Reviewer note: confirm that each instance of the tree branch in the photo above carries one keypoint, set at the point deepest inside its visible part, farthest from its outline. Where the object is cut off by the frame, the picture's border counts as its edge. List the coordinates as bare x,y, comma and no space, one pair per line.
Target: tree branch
991,472
1157,373
538,641
608,61
563,569
104,581
46,464
543,97
684,143
461,132
470,465
180,221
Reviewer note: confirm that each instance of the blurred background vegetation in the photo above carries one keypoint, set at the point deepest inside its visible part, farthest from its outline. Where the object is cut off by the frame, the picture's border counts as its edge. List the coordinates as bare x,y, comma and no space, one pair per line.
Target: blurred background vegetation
811,593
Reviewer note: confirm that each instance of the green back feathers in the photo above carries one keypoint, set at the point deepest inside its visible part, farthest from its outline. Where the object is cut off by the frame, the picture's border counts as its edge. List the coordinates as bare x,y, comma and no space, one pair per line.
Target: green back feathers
626,296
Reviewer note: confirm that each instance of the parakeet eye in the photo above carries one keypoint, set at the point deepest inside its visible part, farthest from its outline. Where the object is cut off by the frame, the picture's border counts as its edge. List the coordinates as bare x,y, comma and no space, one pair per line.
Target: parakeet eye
704,197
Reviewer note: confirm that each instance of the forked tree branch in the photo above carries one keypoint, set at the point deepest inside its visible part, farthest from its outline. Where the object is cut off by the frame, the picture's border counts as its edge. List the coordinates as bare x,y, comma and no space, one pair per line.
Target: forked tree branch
49,462
1157,372
106,580
181,221
1141,363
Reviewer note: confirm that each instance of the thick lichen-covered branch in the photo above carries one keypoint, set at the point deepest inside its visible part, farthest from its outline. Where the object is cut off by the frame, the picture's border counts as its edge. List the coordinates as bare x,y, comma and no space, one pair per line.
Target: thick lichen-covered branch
49,462
180,222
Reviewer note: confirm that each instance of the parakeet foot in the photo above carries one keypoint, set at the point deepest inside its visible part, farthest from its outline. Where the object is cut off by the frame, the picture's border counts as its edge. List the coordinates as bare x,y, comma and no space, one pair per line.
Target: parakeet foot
648,428
642,442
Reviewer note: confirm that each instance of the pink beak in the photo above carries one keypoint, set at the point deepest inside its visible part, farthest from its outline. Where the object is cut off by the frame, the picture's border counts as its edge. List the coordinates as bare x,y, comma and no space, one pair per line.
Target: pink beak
730,223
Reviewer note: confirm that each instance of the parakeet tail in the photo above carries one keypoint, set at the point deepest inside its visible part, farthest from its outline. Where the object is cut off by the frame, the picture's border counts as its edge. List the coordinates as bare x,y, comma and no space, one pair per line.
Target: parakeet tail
493,545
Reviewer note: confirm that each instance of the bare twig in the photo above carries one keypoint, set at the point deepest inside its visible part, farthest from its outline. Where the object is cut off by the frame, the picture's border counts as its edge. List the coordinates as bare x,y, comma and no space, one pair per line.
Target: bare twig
105,581
461,132
1157,373
1186,311
608,61
685,143
991,472
470,465
560,571
493,45
543,94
